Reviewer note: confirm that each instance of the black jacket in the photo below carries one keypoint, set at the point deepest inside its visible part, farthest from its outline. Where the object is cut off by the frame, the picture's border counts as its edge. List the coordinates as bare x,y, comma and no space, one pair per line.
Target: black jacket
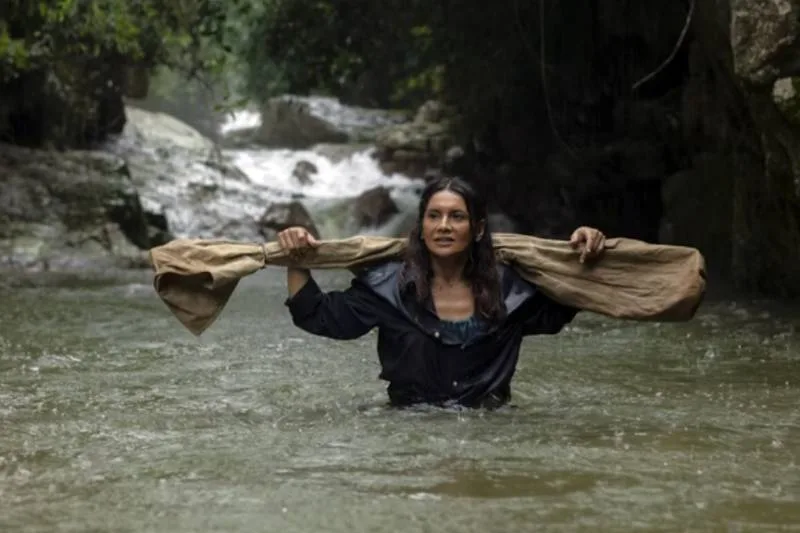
420,362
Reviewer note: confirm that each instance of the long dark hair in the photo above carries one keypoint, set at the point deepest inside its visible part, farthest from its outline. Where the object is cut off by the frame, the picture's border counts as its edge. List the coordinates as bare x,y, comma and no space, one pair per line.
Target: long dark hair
481,267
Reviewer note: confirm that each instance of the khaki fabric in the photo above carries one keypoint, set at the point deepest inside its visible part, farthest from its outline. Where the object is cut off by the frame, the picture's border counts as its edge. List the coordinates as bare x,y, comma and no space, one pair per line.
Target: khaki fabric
632,280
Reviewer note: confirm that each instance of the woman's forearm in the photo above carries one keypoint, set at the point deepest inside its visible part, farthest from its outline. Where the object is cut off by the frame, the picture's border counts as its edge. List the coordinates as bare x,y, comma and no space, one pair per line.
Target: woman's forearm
296,278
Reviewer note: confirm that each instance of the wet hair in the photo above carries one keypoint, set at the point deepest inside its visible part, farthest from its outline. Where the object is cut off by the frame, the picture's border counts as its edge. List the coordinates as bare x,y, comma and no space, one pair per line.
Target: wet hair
481,267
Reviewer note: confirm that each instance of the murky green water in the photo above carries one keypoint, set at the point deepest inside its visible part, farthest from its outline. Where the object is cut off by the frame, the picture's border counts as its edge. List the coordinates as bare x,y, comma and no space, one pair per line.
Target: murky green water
113,418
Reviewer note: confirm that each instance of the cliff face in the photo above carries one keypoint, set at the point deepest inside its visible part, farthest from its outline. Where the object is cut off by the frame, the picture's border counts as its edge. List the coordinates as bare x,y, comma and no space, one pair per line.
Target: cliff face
667,121
765,44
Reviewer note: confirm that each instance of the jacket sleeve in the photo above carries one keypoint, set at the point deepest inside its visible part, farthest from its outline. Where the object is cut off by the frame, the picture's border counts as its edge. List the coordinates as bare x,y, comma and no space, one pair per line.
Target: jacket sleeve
544,316
347,314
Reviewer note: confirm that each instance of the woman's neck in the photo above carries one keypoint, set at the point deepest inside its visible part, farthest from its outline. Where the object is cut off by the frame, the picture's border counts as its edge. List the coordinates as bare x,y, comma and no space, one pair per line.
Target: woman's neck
449,271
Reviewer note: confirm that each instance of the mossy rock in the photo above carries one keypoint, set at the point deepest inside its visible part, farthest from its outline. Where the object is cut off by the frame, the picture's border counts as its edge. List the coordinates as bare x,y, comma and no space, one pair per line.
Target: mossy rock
786,95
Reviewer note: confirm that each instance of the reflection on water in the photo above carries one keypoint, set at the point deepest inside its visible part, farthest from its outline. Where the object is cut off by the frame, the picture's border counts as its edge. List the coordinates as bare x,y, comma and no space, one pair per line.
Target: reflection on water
113,418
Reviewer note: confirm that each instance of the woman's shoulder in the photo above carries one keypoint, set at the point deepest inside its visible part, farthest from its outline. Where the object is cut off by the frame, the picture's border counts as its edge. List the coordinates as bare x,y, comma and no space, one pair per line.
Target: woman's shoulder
381,281
380,274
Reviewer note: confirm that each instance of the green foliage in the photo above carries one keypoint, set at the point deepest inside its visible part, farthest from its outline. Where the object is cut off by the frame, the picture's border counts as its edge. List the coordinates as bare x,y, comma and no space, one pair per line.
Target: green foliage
65,64
186,34
388,53
370,53
393,52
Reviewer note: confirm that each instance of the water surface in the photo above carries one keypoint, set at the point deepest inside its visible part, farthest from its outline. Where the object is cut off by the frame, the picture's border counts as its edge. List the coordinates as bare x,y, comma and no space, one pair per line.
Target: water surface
114,418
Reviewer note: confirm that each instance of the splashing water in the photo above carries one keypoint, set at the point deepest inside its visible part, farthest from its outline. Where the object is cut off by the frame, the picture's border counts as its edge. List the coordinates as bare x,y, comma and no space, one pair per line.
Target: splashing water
181,175
343,179
332,188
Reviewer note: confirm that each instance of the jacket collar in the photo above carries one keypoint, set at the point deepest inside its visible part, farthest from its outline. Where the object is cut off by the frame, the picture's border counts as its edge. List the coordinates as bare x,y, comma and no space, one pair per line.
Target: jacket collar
385,281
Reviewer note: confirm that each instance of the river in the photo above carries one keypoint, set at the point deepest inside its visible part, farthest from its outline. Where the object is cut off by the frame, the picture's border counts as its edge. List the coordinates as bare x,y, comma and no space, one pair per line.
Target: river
115,419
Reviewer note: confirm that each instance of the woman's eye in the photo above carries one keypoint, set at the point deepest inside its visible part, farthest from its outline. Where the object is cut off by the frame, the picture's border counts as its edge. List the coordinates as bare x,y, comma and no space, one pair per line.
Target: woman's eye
458,216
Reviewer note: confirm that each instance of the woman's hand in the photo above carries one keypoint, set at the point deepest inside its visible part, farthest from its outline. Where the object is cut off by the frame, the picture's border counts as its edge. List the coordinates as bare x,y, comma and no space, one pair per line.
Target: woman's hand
297,240
591,241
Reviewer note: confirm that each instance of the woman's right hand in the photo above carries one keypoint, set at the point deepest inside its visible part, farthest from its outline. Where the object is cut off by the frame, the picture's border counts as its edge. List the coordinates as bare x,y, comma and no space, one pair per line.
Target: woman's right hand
297,240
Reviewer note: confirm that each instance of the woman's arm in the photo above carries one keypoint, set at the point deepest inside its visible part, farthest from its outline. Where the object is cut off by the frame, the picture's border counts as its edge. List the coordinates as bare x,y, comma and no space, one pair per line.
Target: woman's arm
345,314
296,240
545,316
296,278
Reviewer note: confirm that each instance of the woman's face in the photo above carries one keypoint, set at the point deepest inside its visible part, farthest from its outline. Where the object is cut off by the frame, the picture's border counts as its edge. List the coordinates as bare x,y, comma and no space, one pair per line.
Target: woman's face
445,225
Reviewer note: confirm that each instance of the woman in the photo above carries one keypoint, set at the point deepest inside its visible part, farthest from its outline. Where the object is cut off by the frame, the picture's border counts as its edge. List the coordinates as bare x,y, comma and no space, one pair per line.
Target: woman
450,319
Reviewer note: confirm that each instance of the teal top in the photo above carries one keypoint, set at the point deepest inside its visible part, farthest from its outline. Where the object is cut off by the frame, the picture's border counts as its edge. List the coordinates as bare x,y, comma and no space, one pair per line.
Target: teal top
461,330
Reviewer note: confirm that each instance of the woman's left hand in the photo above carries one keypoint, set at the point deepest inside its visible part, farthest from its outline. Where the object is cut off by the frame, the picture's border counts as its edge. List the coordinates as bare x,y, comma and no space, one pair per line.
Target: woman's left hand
590,241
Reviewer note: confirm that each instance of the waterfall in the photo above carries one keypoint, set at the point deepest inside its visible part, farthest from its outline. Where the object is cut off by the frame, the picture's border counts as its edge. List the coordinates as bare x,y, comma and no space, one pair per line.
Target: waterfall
337,181
205,191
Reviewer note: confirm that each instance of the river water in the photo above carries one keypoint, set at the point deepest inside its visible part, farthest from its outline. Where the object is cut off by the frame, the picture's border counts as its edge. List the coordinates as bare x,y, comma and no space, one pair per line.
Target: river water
115,419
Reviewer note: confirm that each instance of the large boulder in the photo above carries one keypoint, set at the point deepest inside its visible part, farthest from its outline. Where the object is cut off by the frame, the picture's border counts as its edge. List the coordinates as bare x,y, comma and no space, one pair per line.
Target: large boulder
765,40
786,95
282,215
373,208
762,140
152,130
417,148
162,90
158,179
184,177
301,122
65,210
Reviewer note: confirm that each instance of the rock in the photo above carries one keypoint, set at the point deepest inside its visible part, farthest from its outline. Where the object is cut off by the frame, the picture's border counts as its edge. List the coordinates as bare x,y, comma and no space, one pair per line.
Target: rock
149,130
79,209
169,92
417,147
766,204
762,145
431,112
373,208
303,171
786,97
697,209
282,215
287,124
765,40
301,122
182,176
455,161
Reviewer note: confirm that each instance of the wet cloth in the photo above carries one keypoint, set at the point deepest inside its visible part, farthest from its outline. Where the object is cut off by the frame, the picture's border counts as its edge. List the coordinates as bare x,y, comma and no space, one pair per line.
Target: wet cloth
632,280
